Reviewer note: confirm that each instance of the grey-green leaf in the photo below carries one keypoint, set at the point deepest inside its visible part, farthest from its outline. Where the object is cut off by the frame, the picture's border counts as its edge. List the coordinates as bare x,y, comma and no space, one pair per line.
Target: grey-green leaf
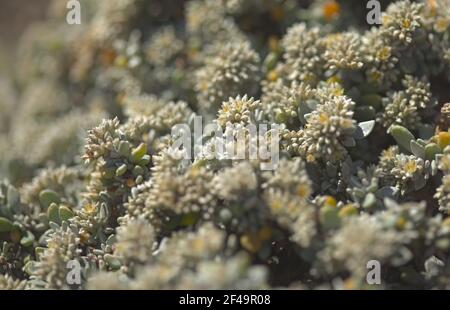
349,142
387,192
365,113
329,217
38,251
121,170
431,150
5,225
53,213
302,110
364,129
27,240
65,213
113,261
417,149
139,152
47,197
426,131
373,100
369,201
13,199
30,267
402,136
270,61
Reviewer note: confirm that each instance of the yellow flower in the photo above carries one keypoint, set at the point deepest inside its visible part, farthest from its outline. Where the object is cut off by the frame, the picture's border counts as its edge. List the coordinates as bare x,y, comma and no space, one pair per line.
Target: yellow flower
121,61
446,222
330,201
388,154
276,205
410,167
84,236
384,53
303,191
273,43
443,139
272,75
323,118
400,223
310,158
441,25
310,78
203,86
89,208
251,242
348,210
375,76
445,163
386,19
406,23
334,79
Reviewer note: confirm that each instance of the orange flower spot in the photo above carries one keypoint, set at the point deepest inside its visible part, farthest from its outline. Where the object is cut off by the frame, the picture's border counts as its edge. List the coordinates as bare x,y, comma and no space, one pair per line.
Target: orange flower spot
331,9
277,14
131,183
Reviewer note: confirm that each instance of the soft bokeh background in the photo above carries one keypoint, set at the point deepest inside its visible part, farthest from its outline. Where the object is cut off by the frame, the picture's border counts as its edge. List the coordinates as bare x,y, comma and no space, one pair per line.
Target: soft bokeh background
15,16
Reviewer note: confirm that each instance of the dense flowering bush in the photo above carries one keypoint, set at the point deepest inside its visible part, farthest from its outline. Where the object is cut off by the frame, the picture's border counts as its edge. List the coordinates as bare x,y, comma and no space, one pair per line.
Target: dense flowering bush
89,175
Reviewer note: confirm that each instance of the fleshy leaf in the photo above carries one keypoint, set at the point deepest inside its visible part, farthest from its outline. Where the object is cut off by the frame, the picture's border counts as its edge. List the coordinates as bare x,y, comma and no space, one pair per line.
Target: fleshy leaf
402,136
364,129
417,149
